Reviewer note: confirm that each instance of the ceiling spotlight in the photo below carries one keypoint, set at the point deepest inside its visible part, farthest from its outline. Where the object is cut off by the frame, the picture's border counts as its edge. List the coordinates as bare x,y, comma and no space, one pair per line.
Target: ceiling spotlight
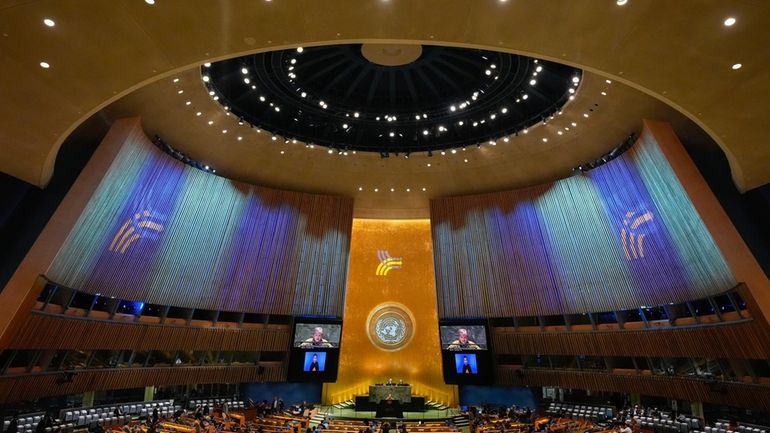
538,69
604,93
571,90
211,122
425,132
300,49
187,103
376,189
207,65
737,66
50,23
150,2
274,138
466,160
488,72
728,22
261,98
454,151
574,124
545,140
532,82
180,91
621,2
224,131
505,139
608,81
504,110
356,114
492,116
198,113
452,108
244,71
575,79
525,97
392,134
461,123
423,189
416,117
360,188
443,153
240,138
330,151
277,108
246,80
44,65
424,116
585,114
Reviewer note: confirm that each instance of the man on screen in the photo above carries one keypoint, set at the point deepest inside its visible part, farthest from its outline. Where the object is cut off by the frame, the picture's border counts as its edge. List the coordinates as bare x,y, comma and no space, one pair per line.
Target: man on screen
462,342
317,340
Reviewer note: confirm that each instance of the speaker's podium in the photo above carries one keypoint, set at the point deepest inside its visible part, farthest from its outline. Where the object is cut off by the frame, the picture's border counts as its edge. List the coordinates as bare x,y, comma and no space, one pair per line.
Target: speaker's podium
390,400
390,408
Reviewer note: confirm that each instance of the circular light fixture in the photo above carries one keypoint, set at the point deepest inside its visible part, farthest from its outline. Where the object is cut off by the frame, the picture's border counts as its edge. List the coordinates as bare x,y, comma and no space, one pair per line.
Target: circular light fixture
737,66
729,22
300,49
49,22
150,2
621,2
44,65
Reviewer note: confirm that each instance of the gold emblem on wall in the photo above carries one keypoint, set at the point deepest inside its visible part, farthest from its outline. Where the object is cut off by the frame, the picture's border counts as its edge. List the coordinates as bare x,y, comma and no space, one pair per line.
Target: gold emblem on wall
390,326
387,263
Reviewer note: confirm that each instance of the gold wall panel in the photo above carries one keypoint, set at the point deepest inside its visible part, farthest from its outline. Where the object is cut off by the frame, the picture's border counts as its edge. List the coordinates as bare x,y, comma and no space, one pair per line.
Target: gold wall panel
412,286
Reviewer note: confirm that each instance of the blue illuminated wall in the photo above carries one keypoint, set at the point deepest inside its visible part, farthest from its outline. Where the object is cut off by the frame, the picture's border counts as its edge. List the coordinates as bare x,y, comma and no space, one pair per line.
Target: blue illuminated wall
620,236
162,232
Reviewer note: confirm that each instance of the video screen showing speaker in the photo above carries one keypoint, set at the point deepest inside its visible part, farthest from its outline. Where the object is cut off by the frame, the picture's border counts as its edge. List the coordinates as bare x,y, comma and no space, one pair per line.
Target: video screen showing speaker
315,350
465,352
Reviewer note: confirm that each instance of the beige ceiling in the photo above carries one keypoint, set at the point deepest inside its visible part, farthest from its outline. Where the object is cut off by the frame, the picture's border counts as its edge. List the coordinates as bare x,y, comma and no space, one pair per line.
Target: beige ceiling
100,51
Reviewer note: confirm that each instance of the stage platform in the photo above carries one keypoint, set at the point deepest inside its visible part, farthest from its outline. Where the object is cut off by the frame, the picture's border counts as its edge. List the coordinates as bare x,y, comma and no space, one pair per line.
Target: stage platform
349,412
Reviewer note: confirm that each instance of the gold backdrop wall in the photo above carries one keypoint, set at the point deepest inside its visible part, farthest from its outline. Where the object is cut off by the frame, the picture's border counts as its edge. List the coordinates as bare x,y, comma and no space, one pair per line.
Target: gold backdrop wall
411,287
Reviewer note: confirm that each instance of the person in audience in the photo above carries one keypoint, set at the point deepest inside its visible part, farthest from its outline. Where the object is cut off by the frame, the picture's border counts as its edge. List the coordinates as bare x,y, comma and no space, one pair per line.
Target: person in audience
463,342
626,427
317,340
155,416
119,411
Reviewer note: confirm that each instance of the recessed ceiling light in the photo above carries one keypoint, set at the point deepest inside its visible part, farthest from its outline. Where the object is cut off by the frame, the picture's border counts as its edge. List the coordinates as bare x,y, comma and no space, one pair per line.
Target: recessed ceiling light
360,188
559,132
44,65
585,114
574,124
621,2
504,110
224,131
608,81
408,190
737,66
240,138
729,22
532,82
180,91
392,189
187,103
207,65
211,122
604,93
454,151
50,23
545,140
428,164
176,80
150,2
423,189
300,49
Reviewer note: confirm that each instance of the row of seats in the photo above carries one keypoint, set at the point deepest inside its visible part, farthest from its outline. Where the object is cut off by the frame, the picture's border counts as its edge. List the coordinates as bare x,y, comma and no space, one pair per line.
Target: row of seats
27,423
96,414
232,403
666,425
752,429
588,412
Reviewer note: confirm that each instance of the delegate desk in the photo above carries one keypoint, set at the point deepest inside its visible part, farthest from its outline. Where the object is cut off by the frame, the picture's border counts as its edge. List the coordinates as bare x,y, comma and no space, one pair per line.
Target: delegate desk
401,393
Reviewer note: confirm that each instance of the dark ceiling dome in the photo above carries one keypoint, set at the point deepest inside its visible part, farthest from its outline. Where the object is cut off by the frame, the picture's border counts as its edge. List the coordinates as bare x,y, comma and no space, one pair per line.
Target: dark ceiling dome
335,96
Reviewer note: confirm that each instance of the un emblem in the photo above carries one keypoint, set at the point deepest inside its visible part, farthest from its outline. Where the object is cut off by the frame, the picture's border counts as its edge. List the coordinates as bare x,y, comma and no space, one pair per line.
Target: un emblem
390,326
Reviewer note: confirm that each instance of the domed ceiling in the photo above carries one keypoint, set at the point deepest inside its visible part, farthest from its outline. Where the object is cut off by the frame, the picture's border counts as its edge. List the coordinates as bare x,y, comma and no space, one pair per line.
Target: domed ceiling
390,99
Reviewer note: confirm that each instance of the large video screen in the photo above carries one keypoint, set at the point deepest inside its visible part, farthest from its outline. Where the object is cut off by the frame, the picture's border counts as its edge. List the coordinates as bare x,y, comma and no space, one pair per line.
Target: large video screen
463,337
317,335
315,352
465,353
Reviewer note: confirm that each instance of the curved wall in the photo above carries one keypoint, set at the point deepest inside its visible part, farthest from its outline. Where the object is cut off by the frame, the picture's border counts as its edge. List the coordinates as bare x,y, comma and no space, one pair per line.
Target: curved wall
164,232
622,235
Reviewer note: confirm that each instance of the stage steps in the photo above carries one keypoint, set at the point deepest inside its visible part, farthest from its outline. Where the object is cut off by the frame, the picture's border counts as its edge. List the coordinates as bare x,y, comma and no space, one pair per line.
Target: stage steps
461,421
436,405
